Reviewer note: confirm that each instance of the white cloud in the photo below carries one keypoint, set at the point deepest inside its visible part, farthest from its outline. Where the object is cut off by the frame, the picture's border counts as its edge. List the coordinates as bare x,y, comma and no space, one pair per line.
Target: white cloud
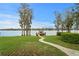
8,16
15,24
9,24
11,21
8,21
40,24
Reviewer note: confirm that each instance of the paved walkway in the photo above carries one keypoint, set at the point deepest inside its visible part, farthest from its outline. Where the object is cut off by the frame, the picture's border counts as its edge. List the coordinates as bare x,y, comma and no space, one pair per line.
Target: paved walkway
69,52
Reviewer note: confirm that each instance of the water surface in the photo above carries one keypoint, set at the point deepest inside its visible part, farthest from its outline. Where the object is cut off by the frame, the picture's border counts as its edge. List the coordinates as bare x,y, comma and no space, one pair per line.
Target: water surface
33,32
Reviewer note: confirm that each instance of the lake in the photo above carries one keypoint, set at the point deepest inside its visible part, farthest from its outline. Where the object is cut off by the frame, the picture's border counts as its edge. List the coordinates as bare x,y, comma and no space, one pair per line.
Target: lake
18,33
33,32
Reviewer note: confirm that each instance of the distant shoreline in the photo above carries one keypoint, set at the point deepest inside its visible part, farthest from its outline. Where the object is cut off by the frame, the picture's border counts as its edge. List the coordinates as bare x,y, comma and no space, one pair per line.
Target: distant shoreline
31,29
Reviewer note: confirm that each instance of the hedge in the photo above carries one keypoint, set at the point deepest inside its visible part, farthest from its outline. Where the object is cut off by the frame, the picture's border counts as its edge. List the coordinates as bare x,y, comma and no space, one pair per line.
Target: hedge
70,37
58,33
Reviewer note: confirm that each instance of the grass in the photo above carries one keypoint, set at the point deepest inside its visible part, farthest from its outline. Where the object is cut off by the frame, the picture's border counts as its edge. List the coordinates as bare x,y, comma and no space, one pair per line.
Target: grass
57,40
26,46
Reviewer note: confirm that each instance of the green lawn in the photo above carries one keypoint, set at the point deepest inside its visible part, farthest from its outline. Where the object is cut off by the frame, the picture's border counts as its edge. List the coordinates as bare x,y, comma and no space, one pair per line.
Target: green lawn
57,40
28,45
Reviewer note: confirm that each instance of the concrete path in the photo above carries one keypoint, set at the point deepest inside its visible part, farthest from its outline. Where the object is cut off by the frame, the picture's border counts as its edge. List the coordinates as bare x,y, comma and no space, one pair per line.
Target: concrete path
68,51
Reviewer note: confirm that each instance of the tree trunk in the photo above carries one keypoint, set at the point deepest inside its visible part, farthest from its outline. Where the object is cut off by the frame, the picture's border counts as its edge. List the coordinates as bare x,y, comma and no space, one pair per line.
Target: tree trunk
26,30
29,30
57,29
22,31
77,28
68,29
62,29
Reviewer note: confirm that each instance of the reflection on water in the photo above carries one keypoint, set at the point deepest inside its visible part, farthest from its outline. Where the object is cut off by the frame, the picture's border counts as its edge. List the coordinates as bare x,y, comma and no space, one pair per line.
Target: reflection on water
18,33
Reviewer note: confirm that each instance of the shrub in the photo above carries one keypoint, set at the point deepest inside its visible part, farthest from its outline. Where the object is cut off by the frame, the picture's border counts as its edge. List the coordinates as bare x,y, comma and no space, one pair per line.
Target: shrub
70,37
58,33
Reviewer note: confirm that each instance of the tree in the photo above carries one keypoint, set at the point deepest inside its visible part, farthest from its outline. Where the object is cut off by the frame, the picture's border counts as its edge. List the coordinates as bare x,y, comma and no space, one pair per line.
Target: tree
25,19
69,21
76,15
62,25
21,25
57,21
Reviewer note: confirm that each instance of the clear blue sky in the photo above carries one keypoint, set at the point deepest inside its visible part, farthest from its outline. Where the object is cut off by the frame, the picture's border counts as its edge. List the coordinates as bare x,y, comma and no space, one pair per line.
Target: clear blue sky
43,14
